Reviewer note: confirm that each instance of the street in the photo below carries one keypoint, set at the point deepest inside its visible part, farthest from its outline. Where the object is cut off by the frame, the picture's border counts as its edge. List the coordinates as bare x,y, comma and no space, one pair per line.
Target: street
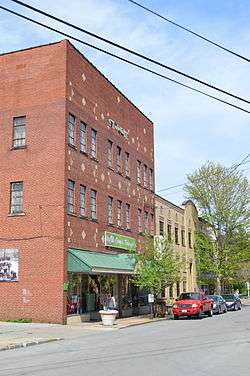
210,346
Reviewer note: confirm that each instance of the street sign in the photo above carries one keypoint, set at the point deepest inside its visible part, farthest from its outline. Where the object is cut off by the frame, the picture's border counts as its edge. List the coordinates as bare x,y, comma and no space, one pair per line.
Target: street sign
151,298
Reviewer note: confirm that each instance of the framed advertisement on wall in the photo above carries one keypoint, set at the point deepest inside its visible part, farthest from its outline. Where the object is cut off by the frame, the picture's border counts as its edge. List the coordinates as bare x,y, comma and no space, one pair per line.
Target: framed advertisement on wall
9,265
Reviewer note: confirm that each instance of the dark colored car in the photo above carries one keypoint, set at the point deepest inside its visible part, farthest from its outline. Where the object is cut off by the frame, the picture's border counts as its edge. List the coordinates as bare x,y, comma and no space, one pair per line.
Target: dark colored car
219,305
233,302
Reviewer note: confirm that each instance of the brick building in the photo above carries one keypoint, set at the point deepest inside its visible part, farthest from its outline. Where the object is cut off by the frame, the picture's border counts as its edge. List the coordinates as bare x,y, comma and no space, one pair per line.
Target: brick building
77,183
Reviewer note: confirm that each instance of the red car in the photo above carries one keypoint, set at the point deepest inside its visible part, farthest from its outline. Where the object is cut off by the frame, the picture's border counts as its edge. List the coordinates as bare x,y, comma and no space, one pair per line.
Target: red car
192,304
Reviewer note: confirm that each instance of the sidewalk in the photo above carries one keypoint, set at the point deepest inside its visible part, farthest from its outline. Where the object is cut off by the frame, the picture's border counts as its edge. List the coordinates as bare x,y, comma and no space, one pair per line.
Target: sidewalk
16,335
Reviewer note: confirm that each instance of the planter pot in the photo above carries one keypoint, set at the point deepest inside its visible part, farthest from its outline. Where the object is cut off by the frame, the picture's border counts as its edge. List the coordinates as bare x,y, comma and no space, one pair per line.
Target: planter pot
108,317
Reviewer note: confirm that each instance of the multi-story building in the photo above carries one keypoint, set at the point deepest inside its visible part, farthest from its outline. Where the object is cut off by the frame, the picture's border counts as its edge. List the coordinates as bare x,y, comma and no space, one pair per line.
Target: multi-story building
179,225
77,186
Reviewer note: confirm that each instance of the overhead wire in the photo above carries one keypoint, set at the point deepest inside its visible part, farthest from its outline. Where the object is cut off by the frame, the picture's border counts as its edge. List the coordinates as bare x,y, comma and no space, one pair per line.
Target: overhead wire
189,30
128,50
124,60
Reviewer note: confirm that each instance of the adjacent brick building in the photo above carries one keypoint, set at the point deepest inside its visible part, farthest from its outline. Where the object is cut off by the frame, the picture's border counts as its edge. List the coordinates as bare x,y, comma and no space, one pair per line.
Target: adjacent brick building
77,167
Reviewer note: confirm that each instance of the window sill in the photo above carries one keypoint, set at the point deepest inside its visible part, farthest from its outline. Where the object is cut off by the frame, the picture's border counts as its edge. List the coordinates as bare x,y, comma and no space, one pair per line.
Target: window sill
72,146
94,220
111,225
128,229
84,153
128,177
72,214
111,168
94,159
83,217
16,214
119,173
18,147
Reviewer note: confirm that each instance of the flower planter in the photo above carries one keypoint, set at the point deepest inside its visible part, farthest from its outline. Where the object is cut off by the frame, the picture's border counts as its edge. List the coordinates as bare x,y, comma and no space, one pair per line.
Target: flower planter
108,316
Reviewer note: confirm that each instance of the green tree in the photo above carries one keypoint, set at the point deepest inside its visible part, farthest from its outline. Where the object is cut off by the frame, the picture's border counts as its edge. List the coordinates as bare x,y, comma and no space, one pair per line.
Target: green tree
157,266
222,197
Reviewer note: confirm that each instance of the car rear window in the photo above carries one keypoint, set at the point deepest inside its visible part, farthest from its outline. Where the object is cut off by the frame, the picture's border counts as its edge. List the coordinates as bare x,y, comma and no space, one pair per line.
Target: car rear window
190,296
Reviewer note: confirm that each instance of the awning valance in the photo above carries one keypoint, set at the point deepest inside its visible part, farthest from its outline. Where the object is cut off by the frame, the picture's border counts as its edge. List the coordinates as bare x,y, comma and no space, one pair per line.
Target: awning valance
81,261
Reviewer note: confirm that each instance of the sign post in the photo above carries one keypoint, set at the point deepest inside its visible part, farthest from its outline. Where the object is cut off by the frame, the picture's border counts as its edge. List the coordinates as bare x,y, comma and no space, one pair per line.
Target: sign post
248,289
151,300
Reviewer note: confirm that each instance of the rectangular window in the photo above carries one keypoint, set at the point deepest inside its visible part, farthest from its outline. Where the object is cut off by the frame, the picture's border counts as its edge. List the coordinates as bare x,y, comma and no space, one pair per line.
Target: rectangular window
139,220
184,288
119,213
71,129
127,214
118,158
93,143
161,227
110,210
110,153
169,233
152,224
19,131
176,235
93,204
83,137
145,176
146,221
177,288
183,238
189,239
151,179
138,169
127,164
16,198
71,197
82,200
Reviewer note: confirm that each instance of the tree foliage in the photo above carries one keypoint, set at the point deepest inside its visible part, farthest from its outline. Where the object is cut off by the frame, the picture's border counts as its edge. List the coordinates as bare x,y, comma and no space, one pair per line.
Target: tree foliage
222,197
157,266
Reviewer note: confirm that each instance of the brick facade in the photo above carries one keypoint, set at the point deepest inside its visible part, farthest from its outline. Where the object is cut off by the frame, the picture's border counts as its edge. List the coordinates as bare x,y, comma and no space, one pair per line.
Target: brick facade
45,84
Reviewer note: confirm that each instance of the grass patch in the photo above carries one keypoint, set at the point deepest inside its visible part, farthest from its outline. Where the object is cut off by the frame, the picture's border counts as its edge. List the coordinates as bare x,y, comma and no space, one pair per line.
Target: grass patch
21,321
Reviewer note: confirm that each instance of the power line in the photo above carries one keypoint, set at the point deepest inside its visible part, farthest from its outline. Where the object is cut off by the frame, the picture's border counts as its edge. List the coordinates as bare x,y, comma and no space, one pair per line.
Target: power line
232,168
123,59
189,31
129,50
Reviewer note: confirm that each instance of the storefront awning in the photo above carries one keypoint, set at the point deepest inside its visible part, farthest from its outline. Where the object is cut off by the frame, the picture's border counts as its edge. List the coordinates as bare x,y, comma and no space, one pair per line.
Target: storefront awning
80,261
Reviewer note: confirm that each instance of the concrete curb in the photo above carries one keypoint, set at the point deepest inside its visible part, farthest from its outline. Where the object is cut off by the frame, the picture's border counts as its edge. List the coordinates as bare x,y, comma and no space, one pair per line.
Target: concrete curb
143,323
33,342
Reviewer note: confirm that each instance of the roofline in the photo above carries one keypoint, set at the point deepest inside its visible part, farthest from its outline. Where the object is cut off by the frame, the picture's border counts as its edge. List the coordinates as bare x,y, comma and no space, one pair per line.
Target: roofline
30,48
84,57
169,202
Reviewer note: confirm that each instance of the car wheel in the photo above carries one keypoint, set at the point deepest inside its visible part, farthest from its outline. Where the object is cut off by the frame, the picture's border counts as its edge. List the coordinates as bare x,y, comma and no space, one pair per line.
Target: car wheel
176,317
210,313
199,316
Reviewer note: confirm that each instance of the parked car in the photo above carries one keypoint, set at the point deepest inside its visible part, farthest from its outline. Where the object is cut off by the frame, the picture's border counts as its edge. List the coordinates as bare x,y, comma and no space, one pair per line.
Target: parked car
233,302
219,305
192,304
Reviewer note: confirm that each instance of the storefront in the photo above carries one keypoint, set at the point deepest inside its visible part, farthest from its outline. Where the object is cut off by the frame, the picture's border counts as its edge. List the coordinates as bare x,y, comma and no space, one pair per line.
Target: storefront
94,275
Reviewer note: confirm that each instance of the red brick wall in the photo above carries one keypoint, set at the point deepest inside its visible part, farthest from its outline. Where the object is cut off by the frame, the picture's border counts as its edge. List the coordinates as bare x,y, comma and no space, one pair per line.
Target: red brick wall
93,100
33,84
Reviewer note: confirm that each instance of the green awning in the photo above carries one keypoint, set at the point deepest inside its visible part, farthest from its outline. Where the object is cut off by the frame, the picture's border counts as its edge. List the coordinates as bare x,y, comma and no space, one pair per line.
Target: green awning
97,262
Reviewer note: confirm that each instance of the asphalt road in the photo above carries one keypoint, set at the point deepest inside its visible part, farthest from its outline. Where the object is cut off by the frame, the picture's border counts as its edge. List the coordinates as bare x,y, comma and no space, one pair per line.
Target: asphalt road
211,346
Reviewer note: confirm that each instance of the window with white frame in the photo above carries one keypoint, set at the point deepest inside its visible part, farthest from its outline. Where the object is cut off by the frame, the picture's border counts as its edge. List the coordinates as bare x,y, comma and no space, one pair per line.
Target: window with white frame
71,129
127,164
119,213
71,197
16,197
118,159
110,210
83,137
93,143
19,132
93,206
82,200
127,216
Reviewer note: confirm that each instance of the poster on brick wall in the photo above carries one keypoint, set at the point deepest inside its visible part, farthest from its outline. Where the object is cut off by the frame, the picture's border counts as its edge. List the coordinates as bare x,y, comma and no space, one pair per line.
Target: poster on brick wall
9,262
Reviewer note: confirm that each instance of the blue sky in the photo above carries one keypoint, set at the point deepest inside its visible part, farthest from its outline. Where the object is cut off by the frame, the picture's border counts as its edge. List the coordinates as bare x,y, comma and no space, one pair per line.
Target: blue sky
189,129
